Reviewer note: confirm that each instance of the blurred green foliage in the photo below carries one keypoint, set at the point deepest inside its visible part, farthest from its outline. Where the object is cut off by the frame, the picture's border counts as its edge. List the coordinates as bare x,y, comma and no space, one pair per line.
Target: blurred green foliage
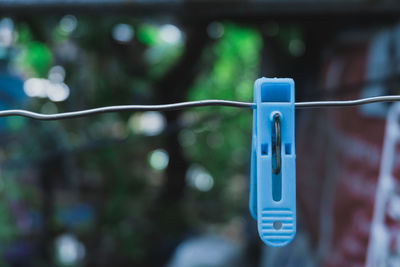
148,34
104,163
225,133
34,58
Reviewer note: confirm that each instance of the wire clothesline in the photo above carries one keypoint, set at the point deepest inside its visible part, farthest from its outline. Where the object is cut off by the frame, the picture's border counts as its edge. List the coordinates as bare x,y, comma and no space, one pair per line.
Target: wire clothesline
190,104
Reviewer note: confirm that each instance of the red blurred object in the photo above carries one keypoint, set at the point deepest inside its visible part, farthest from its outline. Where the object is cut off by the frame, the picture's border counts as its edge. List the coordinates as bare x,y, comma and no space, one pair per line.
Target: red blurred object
339,152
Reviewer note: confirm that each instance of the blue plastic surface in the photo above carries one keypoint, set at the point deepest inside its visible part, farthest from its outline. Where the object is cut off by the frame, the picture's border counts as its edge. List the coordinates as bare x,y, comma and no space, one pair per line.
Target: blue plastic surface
273,196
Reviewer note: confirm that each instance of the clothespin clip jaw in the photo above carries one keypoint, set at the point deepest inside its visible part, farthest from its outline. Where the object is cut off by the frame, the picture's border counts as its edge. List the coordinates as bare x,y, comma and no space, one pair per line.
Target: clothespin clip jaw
273,161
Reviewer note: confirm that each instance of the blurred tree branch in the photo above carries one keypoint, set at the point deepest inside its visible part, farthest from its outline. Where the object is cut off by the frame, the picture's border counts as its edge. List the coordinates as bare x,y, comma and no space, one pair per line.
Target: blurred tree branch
173,87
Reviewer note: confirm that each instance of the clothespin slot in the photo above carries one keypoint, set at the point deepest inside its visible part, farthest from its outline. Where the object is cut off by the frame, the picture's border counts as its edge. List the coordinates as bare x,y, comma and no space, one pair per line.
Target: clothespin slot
273,166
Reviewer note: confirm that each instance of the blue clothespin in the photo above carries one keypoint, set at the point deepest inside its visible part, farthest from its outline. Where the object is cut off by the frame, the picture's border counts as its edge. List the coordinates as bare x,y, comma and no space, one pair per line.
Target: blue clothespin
273,161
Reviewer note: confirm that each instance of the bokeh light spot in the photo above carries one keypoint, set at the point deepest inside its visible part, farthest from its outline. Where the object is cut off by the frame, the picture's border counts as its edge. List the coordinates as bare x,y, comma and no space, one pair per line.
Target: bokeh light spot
297,47
69,250
159,159
123,33
215,30
68,23
198,177
170,34
149,123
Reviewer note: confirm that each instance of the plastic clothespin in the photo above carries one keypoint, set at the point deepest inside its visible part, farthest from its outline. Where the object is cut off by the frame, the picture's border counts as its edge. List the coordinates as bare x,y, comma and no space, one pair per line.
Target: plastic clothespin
273,161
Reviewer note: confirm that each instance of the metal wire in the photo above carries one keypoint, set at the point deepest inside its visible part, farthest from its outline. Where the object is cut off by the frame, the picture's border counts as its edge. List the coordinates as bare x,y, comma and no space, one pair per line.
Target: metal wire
82,113
277,147
184,105
348,103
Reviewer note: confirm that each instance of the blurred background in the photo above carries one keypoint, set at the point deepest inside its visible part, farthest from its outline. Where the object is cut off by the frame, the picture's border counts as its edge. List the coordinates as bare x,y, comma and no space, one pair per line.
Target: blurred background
171,189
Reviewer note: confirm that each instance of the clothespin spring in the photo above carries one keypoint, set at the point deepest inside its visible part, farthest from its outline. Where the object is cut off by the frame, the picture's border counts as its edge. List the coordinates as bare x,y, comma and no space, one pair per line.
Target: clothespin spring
277,145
